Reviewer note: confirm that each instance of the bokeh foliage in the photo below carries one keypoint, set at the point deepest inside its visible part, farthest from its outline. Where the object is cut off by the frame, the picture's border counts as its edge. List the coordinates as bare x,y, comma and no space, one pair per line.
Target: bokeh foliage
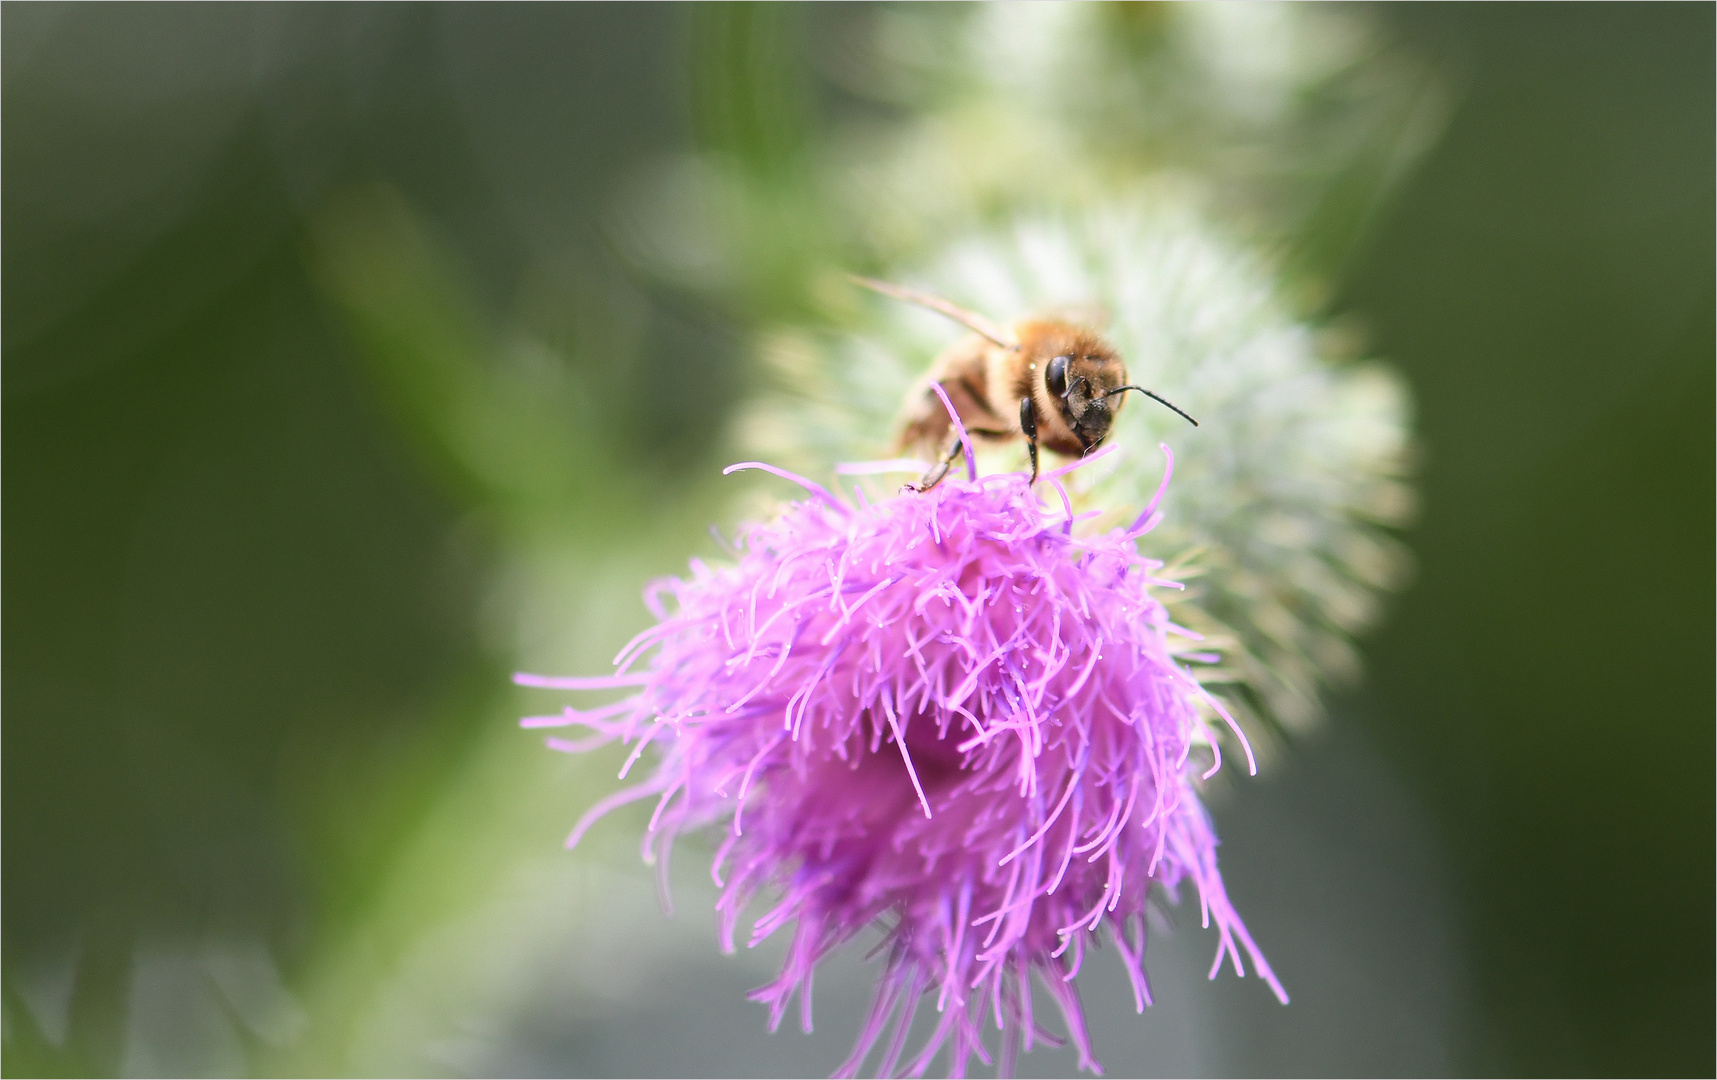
335,387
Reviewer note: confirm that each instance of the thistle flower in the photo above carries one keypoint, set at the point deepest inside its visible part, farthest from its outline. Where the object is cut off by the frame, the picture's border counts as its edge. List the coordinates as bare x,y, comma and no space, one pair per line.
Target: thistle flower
951,714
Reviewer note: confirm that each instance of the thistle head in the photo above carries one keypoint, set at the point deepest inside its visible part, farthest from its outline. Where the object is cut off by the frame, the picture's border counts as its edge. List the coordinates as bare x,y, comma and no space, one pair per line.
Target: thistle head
954,714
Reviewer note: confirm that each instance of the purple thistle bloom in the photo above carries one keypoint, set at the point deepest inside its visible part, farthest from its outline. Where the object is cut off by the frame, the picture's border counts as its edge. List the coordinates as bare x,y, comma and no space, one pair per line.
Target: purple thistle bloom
947,712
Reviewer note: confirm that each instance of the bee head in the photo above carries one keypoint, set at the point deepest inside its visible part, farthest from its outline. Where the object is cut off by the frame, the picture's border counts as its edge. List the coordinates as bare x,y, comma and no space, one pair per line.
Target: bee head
1077,384
1082,378
1083,387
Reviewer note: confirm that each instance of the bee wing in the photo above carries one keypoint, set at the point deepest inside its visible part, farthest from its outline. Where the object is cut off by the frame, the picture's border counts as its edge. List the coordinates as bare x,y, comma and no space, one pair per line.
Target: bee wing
971,320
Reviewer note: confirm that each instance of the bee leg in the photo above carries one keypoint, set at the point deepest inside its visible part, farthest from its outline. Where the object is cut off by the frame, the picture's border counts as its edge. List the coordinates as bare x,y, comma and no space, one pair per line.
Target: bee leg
940,470
1028,425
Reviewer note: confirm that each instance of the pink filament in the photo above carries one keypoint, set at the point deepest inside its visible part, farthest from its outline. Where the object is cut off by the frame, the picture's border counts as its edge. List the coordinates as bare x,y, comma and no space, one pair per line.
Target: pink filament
965,440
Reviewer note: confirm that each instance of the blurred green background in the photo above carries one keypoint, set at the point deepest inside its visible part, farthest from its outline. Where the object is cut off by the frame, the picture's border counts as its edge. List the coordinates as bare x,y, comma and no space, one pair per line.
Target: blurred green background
334,391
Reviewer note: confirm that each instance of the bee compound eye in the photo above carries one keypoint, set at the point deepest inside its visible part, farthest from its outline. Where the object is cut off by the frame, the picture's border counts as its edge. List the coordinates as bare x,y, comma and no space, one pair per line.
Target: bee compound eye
1056,377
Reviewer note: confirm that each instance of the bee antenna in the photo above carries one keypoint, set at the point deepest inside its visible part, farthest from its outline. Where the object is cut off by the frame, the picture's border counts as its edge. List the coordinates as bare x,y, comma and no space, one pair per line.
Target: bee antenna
1154,397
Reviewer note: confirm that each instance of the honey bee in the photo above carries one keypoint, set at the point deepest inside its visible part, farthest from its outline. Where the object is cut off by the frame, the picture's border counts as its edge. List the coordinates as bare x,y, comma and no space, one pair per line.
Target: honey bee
1047,379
